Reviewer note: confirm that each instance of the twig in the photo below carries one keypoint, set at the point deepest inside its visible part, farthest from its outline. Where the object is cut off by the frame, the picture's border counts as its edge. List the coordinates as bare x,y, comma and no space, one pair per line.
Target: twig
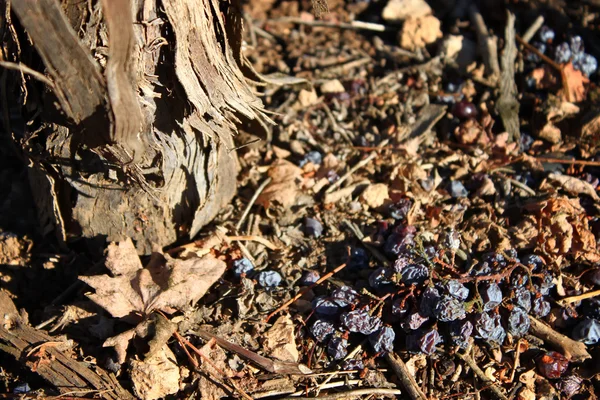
305,290
588,295
480,374
532,30
208,360
26,70
508,106
488,44
521,185
573,350
570,162
255,238
358,165
252,201
276,367
408,381
354,25
351,394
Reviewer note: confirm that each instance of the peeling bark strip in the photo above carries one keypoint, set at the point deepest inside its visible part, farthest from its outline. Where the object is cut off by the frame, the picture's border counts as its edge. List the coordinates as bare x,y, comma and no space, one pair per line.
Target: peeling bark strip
77,82
127,116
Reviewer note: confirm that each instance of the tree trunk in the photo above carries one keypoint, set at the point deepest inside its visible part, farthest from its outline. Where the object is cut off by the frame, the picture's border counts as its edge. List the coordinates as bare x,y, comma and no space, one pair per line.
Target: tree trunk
129,129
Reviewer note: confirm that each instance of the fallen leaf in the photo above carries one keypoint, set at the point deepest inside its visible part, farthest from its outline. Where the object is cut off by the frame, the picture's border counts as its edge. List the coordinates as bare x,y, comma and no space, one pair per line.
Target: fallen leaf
576,82
155,377
574,185
284,186
133,292
375,195
280,340
207,387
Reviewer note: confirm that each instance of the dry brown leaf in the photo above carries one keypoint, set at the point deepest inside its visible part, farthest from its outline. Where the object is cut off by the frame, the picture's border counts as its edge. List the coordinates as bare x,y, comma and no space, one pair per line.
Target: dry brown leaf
284,187
134,292
574,185
375,195
576,82
280,340
157,376
207,387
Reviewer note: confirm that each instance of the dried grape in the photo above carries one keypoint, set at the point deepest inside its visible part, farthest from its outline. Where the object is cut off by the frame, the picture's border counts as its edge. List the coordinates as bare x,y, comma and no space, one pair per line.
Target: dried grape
242,266
322,329
552,365
587,331
449,309
337,348
269,279
491,295
360,321
518,322
344,296
383,339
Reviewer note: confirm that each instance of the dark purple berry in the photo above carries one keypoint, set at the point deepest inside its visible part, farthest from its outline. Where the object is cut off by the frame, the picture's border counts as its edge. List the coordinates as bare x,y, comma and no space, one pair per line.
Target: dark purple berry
590,308
552,365
576,45
400,307
325,306
400,209
488,327
457,190
429,300
562,53
402,261
344,296
424,342
464,110
359,321
491,295
414,321
415,274
522,298
313,228
400,241
242,266
587,331
586,63
269,279
383,340
518,322
544,284
359,258
569,386
312,157
321,330
546,34
309,278
456,289
380,278
337,348
449,309
541,307
460,332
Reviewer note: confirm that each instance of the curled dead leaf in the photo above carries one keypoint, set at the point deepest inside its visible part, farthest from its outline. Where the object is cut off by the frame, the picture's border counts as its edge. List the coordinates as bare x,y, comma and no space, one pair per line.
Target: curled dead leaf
284,187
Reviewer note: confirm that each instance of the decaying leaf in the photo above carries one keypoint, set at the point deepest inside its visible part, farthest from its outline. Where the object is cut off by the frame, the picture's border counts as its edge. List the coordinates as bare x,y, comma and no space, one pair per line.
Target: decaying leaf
574,185
576,82
280,340
156,376
419,32
284,187
133,292
209,390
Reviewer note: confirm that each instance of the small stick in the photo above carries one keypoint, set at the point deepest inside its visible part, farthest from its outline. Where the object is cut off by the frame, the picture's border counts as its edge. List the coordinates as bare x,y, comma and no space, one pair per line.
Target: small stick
351,394
305,290
24,69
252,201
488,44
532,30
588,295
354,25
276,367
574,162
408,381
358,165
576,351
480,374
254,238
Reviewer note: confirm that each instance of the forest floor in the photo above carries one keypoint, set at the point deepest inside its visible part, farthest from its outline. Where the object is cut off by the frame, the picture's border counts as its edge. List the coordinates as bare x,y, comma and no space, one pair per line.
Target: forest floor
421,223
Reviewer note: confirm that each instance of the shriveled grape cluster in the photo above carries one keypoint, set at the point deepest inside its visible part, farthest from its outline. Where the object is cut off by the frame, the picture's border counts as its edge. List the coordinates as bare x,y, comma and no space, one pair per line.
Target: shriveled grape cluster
428,297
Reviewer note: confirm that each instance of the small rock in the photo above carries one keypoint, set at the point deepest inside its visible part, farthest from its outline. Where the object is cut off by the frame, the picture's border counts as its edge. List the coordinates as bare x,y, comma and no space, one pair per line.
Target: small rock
332,86
307,98
375,195
399,10
419,32
460,50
